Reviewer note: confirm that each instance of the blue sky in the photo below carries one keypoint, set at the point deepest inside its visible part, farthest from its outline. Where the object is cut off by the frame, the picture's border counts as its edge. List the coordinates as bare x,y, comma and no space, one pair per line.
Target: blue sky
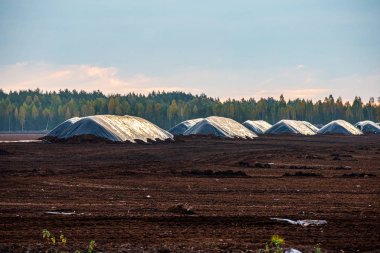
222,48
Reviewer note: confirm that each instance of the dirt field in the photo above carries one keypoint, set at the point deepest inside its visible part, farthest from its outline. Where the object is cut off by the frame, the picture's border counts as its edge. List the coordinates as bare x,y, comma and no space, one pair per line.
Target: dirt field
123,194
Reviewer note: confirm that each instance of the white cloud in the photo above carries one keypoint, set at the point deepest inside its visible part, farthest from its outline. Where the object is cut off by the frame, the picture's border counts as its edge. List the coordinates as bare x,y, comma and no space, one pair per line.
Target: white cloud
299,82
26,75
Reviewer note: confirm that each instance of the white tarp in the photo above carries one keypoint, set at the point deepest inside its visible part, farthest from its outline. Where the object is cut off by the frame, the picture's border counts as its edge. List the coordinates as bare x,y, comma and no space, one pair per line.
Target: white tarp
115,128
303,223
220,126
183,126
368,127
287,126
339,127
311,126
62,127
257,126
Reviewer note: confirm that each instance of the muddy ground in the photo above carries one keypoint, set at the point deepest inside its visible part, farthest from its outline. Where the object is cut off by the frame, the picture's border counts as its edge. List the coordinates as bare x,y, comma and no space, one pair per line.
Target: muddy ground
124,196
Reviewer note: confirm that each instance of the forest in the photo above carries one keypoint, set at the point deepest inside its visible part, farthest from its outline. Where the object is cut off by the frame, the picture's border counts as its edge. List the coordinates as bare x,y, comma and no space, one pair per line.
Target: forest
34,110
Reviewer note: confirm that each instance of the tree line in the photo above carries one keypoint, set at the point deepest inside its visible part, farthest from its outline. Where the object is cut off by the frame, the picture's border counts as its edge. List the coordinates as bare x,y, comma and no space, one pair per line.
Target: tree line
27,110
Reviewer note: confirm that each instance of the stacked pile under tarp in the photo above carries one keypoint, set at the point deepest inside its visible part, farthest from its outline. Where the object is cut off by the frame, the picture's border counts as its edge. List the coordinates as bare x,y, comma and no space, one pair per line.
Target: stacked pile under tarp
181,128
311,126
368,127
111,128
287,126
220,127
58,130
257,126
340,127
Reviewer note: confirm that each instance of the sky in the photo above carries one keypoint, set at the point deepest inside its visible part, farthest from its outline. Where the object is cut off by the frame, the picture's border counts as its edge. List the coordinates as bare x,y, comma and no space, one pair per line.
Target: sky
226,49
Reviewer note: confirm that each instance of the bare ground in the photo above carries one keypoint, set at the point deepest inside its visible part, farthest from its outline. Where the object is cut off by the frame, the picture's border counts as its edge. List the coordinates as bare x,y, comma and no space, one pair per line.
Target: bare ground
123,194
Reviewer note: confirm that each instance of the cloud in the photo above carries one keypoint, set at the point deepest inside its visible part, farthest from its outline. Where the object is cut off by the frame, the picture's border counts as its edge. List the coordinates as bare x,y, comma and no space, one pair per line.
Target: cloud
25,75
292,82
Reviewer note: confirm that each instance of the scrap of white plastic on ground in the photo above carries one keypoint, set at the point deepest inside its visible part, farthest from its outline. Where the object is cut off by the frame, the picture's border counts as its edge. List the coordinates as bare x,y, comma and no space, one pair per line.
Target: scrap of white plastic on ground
303,223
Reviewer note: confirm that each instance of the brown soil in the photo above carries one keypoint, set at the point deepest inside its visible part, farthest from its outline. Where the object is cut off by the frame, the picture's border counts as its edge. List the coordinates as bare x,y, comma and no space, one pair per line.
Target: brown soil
123,194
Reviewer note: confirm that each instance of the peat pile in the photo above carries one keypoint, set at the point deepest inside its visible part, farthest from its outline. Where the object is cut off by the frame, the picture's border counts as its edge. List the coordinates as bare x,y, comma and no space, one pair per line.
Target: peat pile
257,126
182,127
108,128
368,127
220,127
340,127
294,127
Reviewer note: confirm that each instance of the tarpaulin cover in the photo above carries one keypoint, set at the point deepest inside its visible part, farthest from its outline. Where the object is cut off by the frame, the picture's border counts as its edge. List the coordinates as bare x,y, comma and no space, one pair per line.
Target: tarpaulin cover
183,126
368,127
115,128
222,127
287,126
339,127
257,126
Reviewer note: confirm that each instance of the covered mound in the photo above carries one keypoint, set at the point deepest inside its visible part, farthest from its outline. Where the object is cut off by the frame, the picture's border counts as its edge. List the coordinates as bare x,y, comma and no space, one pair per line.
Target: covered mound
339,127
220,126
311,126
58,130
114,128
368,127
257,126
287,126
183,126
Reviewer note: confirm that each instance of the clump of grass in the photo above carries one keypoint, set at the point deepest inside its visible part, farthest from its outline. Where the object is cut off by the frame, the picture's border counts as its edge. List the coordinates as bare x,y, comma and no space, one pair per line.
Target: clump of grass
318,248
60,246
52,243
276,244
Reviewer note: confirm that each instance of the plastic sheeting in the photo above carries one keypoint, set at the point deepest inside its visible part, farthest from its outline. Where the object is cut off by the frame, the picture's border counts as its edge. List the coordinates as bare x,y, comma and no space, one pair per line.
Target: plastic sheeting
257,126
339,127
368,127
222,127
311,126
287,126
58,130
181,128
115,128
303,223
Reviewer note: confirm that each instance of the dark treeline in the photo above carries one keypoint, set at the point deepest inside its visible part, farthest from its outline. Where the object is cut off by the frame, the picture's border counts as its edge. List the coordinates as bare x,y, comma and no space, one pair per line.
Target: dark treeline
37,110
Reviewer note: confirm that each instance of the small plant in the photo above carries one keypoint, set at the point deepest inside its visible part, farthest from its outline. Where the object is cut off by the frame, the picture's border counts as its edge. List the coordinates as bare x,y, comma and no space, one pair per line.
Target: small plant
318,248
267,250
277,241
49,238
91,246
274,245
63,239
60,246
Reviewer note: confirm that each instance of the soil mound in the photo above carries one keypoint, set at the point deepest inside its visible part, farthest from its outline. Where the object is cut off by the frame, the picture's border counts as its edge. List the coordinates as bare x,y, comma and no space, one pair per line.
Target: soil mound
368,127
110,128
340,127
292,127
257,126
183,126
221,127
59,130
